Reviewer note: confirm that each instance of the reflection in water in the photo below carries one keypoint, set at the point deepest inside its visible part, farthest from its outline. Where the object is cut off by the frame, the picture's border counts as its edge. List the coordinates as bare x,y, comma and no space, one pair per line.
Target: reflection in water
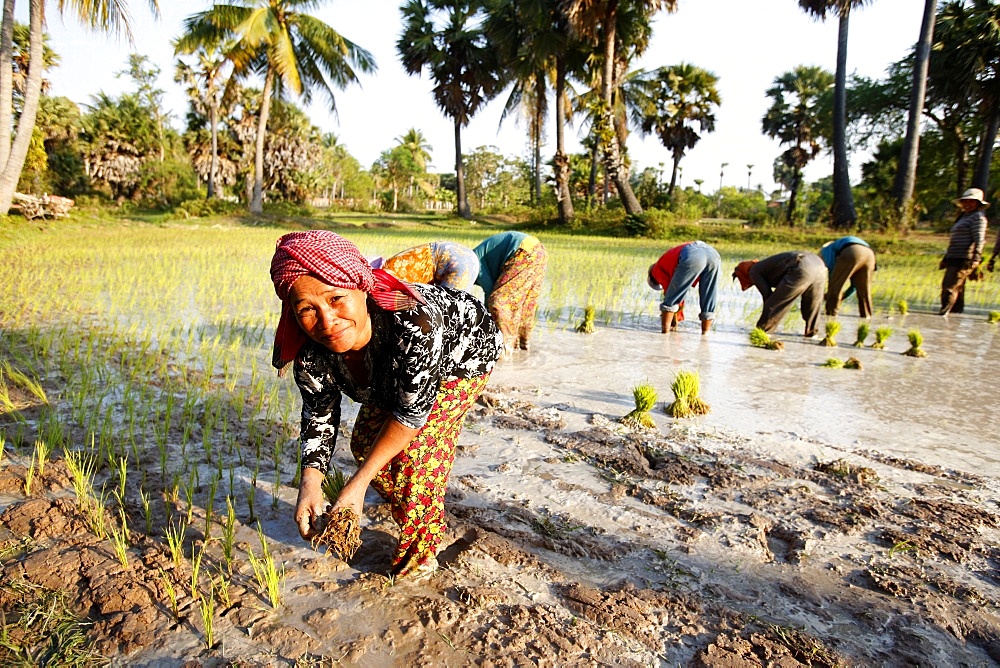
941,410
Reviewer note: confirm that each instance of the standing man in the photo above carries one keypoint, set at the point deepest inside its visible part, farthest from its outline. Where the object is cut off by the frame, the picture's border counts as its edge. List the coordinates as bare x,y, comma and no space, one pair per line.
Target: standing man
781,279
965,250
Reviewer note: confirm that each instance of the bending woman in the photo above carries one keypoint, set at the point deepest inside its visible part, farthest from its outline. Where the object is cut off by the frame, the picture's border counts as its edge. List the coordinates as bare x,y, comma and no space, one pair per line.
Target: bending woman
683,267
415,357
511,269
436,263
781,279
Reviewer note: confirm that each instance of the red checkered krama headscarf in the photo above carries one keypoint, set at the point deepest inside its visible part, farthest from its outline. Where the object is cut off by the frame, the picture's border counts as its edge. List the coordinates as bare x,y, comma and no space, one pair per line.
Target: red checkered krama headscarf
336,261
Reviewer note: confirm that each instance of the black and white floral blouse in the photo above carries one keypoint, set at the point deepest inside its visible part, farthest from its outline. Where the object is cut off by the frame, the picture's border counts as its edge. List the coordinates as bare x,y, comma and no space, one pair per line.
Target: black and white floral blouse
411,352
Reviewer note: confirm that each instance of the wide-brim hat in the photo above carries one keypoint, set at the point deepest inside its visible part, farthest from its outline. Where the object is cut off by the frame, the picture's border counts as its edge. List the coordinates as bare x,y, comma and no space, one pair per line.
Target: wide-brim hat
974,194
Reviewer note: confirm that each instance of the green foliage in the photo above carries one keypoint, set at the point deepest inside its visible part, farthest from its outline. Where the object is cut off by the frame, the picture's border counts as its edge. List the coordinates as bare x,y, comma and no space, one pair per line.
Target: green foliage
916,340
164,185
832,329
687,403
863,330
882,334
645,398
201,207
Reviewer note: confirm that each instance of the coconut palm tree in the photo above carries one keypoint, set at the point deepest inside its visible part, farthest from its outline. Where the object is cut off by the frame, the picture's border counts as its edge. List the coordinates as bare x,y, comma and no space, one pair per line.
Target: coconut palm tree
844,214
416,144
447,38
671,101
598,22
105,15
906,176
205,88
536,45
289,49
796,118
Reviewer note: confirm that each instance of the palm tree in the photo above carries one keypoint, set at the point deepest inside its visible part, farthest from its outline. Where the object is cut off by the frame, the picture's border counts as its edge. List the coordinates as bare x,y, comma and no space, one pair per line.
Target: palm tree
205,89
795,118
107,15
844,215
419,149
671,102
965,69
447,38
597,20
906,176
291,50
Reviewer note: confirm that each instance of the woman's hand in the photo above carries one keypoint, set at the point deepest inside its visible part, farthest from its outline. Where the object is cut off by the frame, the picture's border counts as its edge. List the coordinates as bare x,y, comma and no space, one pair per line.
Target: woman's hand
352,496
311,503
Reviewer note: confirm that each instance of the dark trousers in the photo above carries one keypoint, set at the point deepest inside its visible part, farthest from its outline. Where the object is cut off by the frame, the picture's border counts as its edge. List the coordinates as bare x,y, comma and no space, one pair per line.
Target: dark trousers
806,278
953,289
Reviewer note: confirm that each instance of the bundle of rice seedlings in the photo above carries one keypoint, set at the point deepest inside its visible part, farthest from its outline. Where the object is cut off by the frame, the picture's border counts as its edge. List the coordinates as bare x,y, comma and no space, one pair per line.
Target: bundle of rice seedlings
881,335
994,316
833,363
341,533
863,330
686,402
333,483
902,307
587,326
760,339
853,363
645,399
916,340
832,329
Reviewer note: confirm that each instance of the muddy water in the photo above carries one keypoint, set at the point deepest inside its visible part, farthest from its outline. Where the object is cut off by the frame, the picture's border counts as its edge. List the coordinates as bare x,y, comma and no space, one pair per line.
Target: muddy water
941,410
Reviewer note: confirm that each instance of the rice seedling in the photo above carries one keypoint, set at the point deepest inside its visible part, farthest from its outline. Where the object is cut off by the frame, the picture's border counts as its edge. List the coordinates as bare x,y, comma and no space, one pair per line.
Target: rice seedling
24,381
333,483
29,475
229,534
833,363
903,307
916,340
587,326
687,403
147,510
196,569
42,453
639,417
268,576
882,335
853,363
119,538
993,317
3,448
206,605
832,329
175,540
210,505
171,592
863,330
761,339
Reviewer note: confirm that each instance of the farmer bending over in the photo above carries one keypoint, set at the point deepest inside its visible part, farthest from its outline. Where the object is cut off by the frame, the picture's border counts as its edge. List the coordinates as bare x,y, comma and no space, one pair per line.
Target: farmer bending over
781,279
680,268
436,263
415,357
849,258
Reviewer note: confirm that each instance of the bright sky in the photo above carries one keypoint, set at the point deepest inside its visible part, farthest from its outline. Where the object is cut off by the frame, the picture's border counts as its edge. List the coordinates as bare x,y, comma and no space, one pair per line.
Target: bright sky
746,43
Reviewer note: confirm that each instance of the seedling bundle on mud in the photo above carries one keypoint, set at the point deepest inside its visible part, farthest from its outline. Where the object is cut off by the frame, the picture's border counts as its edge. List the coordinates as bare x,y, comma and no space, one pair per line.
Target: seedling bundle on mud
587,326
863,330
645,399
832,329
760,339
686,402
916,340
882,335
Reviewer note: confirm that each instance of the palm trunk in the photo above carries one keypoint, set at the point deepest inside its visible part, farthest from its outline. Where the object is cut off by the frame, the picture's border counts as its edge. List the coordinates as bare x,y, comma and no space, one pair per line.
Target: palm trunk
984,157
906,177
613,165
844,215
563,195
536,186
257,201
673,176
6,81
463,201
793,198
26,124
592,182
214,168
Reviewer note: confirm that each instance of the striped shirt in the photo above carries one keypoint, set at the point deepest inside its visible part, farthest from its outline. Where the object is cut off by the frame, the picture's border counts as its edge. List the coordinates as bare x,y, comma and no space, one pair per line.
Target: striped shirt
968,235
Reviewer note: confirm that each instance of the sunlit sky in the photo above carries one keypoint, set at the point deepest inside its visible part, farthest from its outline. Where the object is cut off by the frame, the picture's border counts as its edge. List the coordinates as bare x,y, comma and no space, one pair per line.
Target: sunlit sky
746,43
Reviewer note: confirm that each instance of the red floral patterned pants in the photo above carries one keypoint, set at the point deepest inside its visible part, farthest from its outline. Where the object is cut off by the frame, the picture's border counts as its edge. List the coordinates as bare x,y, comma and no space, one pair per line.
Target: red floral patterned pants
415,481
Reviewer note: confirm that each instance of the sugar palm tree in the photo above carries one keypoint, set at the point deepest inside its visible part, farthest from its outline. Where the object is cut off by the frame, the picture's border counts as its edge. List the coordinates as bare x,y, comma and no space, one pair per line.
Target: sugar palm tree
105,15
965,69
598,21
796,118
416,144
536,45
671,101
289,49
844,214
906,176
447,38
